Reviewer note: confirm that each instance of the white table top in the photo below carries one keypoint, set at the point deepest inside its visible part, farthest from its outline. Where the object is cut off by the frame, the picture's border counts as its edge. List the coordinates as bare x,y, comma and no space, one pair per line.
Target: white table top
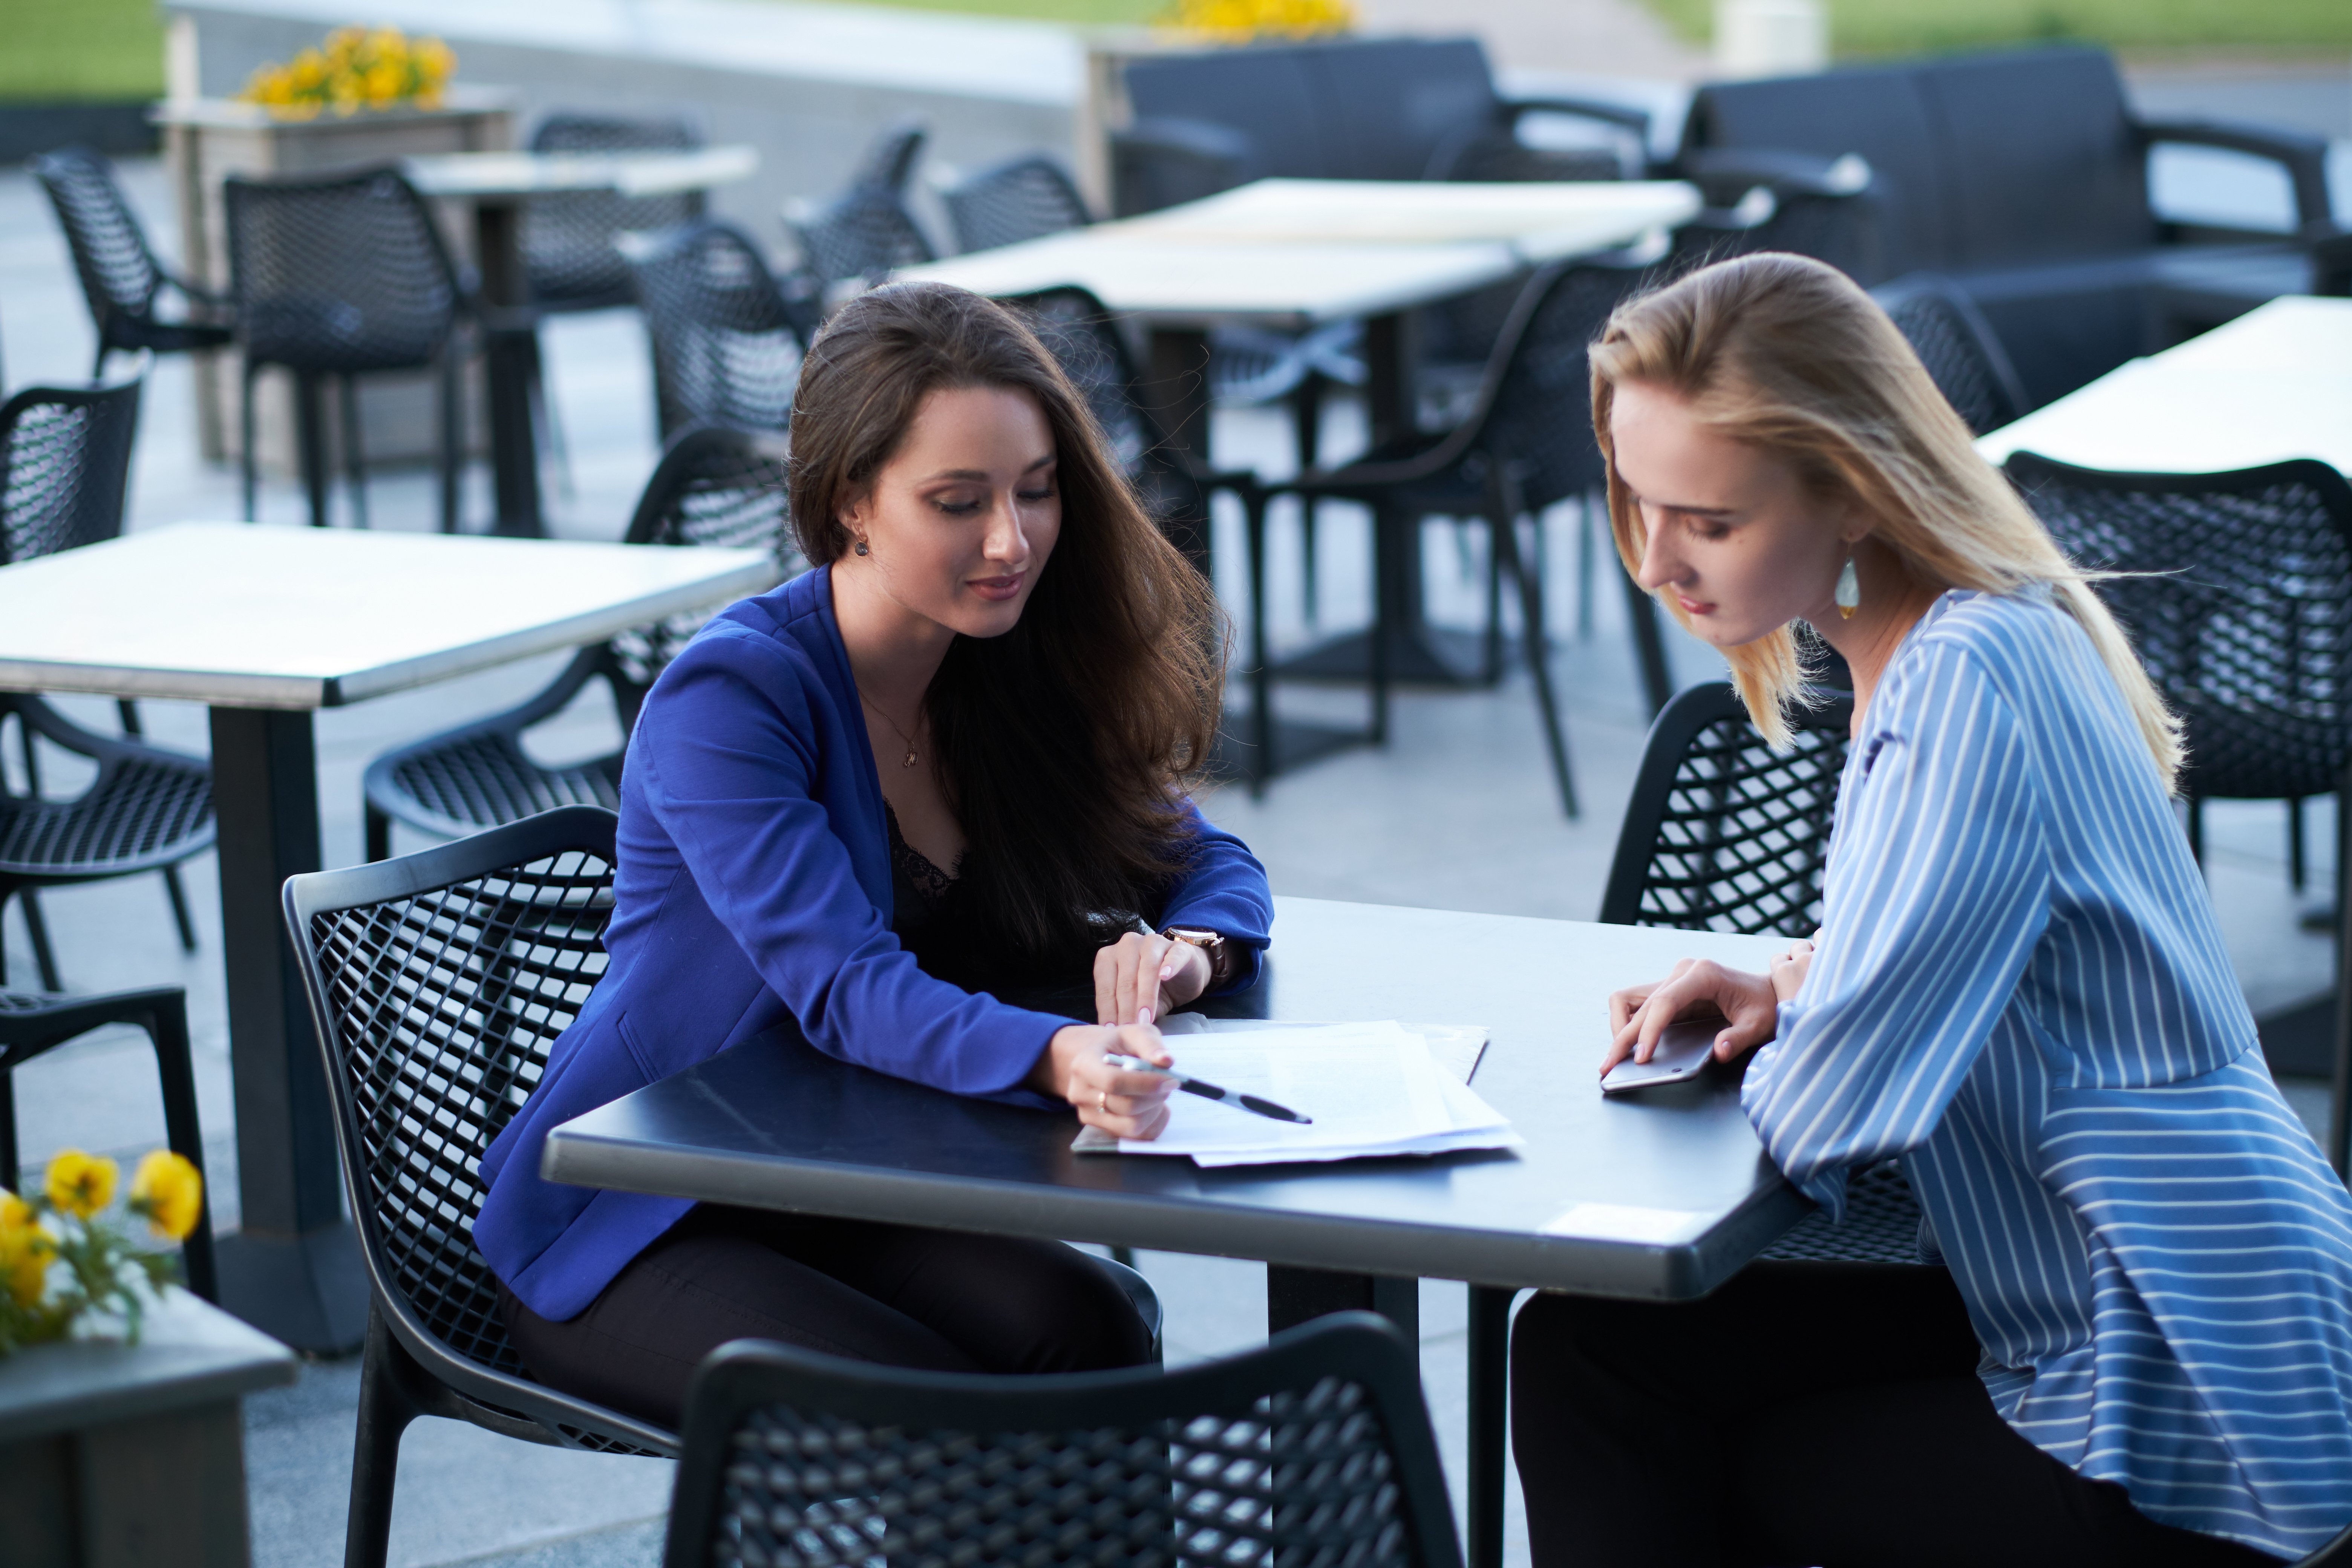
1315,250
245,617
487,175
2275,384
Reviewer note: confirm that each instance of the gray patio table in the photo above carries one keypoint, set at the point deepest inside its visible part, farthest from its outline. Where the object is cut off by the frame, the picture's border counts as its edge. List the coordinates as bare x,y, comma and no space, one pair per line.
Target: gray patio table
496,185
1294,254
264,626
1663,1195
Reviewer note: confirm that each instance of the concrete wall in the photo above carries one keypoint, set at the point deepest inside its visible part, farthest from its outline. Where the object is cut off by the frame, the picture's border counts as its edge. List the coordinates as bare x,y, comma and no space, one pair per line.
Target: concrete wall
808,85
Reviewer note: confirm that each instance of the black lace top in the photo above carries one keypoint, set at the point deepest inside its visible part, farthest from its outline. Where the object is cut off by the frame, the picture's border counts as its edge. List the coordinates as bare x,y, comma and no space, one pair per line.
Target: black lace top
935,920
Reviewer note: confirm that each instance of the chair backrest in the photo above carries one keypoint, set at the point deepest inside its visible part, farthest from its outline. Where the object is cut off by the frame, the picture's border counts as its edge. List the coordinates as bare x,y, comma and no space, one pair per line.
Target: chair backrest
1534,412
890,162
342,272
727,343
437,983
2240,603
64,466
567,238
1495,154
119,273
1084,336
1021,198
1724,833
1956,344
1343,108
1314,1452
865,232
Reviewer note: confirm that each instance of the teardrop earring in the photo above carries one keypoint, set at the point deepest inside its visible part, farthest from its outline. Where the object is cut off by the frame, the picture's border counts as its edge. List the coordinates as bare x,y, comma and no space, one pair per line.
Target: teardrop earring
861,549
1849,590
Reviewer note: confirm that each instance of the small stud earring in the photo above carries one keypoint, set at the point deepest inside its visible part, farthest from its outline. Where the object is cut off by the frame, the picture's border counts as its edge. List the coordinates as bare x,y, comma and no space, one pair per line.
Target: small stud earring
863,551
1849,590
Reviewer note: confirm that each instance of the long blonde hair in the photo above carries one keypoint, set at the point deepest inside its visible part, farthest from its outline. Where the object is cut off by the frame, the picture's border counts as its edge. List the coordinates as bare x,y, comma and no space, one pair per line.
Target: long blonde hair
1786,353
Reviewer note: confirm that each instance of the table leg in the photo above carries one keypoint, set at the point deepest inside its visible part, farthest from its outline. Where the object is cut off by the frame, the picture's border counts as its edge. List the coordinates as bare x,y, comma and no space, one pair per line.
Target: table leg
510,357
1490,1375
1295,1296
292,1268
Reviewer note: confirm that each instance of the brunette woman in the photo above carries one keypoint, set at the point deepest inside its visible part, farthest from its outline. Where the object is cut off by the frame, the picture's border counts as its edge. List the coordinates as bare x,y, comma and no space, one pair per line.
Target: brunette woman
942,769
2133,1345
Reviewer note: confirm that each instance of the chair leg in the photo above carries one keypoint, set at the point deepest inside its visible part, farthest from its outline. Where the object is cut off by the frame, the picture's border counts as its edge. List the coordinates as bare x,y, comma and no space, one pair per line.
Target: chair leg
1260,678
1531,611
1491,652
1307,413
311,431
1648,646
2197,830
2294,846
9,1167
547,421
1383,591
446,454
181,919
379,833
167,1031
37,928
250,463
386,1411
354,457
1584,531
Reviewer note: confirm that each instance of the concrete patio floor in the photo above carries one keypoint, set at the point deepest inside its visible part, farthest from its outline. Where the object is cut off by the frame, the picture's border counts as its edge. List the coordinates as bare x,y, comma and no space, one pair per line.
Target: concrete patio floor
1458,812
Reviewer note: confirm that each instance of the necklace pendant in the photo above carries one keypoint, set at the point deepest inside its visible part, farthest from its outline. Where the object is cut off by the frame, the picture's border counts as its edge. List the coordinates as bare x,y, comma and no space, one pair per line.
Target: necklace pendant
910,758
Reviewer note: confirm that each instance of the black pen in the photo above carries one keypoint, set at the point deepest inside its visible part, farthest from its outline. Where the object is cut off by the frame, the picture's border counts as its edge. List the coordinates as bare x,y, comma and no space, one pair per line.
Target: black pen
1248,1102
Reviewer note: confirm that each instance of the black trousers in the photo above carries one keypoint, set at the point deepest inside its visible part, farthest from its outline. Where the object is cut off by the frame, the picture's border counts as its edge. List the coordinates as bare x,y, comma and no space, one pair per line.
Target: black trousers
1806,1414
886,1293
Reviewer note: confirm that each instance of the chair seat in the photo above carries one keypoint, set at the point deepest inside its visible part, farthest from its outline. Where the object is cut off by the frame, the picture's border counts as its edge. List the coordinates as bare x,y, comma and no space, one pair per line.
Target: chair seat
460,784
170,337
1881,1225
148,809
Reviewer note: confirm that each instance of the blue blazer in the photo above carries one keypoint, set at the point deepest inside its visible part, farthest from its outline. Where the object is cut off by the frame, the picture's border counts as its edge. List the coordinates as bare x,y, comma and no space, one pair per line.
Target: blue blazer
753,896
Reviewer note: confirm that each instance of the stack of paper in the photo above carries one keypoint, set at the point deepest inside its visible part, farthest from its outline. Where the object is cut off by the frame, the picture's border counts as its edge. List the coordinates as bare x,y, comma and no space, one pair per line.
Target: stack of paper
1371,1088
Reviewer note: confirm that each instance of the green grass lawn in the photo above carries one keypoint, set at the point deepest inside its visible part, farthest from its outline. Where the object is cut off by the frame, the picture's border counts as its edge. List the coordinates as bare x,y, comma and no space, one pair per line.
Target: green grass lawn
57,49
1920,26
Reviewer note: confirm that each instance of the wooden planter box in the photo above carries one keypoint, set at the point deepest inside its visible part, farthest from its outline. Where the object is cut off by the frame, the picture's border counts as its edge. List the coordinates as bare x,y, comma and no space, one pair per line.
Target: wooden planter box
115,1455
207,139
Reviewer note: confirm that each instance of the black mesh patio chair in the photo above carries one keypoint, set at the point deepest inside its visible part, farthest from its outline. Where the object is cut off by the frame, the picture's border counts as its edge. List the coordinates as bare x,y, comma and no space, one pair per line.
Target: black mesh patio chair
865,233
1526,445
1027,197
33,1026
889,162
1314,1451
121,277
567,238
1725,833
714,486
1953,340
337,277
1827,209
727,338
65,465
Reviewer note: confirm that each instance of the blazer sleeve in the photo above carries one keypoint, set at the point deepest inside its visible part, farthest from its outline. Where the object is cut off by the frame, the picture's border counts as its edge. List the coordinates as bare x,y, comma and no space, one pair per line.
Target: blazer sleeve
1937,893
1224,891
728,759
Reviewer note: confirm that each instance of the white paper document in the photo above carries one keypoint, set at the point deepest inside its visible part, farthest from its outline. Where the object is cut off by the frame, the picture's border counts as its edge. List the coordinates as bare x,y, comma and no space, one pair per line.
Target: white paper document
1372,1089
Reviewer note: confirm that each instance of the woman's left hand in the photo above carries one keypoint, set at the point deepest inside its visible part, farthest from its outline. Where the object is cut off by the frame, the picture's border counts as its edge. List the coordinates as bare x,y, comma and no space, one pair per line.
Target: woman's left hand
1141,979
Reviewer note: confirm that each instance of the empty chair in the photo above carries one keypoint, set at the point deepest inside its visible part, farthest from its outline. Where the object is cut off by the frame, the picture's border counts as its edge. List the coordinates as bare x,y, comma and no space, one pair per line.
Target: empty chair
1953,340
436,985
340,276
119,276
1022,198
727,340
567,238
64,461
33,1026
1314,1451
714,486
1725,833
864,233
889,162
1831,210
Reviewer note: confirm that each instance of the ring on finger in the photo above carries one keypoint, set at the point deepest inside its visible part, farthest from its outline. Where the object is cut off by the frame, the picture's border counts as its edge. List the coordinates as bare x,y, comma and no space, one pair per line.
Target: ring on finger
1102,1099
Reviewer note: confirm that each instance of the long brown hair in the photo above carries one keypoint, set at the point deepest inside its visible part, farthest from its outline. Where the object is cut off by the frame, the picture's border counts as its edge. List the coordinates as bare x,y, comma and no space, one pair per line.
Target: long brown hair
1062,745
1789,355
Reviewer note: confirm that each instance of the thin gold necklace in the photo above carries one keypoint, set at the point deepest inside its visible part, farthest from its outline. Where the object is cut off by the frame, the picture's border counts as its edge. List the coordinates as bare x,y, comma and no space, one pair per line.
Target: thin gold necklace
894,724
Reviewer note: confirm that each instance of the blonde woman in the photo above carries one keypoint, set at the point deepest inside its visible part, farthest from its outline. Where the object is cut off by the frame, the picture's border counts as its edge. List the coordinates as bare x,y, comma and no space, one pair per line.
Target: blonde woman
2140,1350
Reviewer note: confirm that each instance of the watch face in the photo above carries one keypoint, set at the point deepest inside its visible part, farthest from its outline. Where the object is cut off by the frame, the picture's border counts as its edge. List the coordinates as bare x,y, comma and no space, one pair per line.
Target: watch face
1197,938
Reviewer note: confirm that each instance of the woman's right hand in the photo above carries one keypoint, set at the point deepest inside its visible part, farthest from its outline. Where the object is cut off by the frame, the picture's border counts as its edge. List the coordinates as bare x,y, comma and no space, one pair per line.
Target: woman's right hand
1076,1064
1750,1005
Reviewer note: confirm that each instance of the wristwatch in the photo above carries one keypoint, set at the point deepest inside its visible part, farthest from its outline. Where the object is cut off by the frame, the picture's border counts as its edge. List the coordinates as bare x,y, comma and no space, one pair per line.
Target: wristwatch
1212,945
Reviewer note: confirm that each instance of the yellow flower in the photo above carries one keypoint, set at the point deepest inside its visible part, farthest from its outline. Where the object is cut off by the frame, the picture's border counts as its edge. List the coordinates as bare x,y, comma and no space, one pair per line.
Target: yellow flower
168,1191
434,59
80,1184
26,1248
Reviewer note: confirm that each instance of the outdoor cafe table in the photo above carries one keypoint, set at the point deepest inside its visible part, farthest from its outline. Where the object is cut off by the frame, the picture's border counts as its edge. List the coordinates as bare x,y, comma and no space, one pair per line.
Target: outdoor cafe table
497,186
1294,254
1662,1195
264,626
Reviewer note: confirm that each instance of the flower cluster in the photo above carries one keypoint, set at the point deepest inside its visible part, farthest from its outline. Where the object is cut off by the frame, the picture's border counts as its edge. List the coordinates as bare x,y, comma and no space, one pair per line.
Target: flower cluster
59,1260
355,68
1244,20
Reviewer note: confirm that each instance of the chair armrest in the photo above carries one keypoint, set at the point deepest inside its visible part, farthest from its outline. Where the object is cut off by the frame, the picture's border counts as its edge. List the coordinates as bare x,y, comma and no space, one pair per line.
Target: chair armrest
1724,174
2304,158
1620,114
1199,140
1161,160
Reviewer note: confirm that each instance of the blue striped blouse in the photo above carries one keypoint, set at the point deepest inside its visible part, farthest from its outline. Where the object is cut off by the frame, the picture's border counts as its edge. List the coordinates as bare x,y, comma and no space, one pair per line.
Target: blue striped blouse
2021,990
